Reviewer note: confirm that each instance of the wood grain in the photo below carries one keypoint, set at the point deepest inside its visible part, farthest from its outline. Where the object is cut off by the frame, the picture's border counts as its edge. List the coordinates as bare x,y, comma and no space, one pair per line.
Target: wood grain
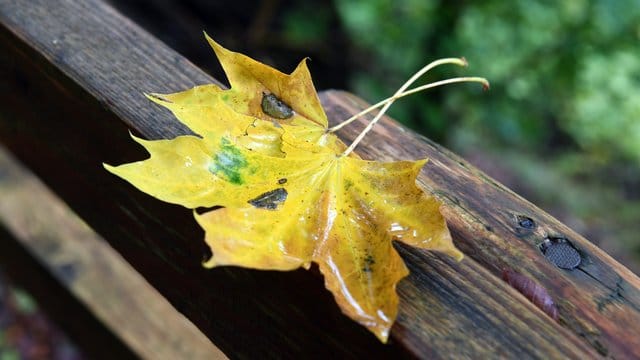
74,85
93,272
598,301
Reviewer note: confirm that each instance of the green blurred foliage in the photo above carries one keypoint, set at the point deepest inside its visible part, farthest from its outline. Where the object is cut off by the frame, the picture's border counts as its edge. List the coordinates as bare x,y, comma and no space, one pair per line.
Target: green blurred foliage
301,29
563,113
558,69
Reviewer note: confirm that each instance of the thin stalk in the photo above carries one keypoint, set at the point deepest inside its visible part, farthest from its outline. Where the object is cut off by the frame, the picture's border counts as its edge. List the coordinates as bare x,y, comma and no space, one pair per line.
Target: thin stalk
400,93
483,81
416,76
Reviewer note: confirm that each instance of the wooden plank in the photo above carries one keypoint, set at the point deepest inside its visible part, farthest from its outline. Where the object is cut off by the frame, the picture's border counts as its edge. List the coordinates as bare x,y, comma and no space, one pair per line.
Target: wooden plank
448,309
84,264
599,300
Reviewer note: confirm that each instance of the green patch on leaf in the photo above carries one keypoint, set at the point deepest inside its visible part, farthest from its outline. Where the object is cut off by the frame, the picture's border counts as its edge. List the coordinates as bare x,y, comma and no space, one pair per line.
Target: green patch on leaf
348,184
229,162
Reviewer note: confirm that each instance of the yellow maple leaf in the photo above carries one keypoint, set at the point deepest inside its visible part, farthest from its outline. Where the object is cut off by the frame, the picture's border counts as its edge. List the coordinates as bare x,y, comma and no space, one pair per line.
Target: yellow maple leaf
292,193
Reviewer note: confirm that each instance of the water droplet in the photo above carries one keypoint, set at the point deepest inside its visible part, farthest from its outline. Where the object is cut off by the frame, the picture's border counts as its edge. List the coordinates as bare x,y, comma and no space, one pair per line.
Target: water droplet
526,222
274,107
270,200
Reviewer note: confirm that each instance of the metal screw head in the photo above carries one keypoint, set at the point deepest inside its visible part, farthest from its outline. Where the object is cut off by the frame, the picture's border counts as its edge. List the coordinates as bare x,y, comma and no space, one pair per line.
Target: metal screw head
561,253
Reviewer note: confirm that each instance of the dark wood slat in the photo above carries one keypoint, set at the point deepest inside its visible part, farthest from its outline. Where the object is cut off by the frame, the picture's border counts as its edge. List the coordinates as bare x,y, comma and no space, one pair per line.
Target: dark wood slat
87,268
72,98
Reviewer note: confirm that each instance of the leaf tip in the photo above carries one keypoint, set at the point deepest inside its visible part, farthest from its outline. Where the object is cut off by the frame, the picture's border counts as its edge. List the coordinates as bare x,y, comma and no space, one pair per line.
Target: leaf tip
456,254
211,42
209,264
139,140
109,168
217,48
421,162
153,96
159,99
302,70
115,170
382,334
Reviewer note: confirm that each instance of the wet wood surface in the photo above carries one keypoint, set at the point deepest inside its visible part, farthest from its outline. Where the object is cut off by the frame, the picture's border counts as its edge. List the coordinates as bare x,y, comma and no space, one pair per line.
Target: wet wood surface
598,300
73,87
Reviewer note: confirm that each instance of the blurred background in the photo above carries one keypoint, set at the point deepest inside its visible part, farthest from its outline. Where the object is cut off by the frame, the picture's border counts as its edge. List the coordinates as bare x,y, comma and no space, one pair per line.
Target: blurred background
560,126
26,332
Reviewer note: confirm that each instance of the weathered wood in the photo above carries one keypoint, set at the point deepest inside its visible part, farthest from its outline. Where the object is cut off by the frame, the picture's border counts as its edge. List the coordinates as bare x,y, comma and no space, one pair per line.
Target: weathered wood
74,85
598,301
93,272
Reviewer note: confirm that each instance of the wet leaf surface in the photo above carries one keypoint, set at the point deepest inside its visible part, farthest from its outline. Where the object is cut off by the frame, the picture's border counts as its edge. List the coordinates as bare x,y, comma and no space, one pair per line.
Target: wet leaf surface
289,195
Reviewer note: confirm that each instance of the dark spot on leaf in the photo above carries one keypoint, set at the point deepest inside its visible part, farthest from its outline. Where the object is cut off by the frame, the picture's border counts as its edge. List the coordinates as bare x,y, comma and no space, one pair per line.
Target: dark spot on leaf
274,107
270,200
229,162
368,263
282,181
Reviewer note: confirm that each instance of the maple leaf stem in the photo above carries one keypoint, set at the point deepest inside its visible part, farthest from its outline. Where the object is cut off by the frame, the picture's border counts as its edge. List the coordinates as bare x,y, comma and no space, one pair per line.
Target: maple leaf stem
400,93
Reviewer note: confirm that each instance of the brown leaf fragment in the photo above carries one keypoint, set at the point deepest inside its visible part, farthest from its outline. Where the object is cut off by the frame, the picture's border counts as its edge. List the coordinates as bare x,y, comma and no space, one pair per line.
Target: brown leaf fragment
533,291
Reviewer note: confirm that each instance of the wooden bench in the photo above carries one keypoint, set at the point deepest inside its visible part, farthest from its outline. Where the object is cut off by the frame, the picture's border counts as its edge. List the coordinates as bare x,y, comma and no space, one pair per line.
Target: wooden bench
73,74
